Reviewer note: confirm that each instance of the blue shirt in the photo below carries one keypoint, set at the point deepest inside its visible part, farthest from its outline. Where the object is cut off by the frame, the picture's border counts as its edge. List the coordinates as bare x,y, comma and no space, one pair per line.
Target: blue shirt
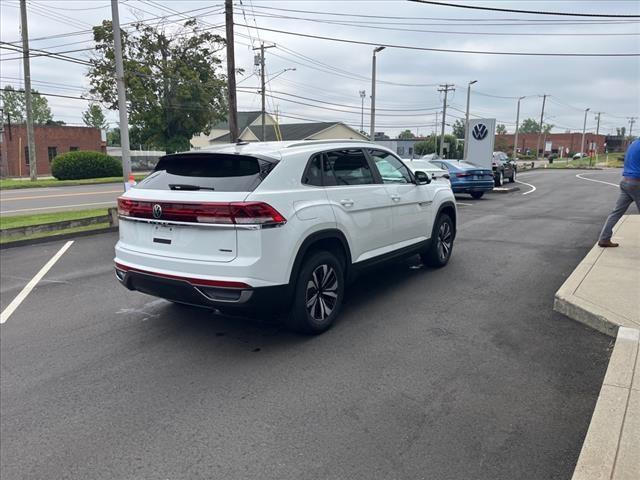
632,161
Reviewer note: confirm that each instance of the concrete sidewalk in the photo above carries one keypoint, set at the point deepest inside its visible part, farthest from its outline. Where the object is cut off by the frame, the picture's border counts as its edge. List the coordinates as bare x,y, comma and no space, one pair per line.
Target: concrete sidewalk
604,293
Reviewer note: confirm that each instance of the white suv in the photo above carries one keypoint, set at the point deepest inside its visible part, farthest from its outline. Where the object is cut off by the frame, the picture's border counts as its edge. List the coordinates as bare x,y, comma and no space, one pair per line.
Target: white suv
277,226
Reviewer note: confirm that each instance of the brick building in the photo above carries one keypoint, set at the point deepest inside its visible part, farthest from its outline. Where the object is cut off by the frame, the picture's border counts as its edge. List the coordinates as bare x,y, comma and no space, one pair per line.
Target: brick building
529,141
51,140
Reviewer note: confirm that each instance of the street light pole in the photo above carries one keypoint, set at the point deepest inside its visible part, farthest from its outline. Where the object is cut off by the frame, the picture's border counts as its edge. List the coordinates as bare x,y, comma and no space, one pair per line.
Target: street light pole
584,129
466,120
372,133
515,139
363,94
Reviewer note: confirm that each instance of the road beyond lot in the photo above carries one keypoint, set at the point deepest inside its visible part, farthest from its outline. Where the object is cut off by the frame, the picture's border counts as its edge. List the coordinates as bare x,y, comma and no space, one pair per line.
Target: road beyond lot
27,201
459,373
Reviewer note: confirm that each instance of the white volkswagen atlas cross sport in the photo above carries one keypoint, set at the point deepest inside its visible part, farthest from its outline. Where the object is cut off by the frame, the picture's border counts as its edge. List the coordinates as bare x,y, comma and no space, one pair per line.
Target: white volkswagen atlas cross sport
277,226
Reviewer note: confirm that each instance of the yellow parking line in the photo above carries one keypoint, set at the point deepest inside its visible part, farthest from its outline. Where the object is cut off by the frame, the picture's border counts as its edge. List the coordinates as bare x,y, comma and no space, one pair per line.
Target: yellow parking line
38,197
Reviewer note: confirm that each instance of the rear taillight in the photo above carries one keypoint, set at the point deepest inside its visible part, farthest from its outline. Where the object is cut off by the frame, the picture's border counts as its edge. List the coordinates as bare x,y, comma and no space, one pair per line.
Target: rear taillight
231,213
459,175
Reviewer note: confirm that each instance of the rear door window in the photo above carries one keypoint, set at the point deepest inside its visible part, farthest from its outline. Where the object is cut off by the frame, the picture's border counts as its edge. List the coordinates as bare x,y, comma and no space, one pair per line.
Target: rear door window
208,171
349,167
390,168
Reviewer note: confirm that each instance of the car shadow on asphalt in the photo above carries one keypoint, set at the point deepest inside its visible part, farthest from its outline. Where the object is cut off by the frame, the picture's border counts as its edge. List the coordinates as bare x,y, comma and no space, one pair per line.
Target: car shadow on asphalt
199,326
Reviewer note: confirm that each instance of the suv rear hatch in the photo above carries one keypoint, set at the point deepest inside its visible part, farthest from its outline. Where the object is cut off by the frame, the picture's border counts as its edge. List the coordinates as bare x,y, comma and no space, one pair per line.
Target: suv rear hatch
192,206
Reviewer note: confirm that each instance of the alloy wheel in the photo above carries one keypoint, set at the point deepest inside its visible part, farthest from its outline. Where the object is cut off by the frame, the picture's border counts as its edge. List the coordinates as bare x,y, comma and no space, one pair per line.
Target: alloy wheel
322,292
445,241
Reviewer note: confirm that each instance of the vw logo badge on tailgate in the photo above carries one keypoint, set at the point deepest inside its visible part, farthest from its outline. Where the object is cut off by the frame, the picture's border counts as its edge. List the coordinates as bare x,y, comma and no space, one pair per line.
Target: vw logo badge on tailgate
157,211
480,132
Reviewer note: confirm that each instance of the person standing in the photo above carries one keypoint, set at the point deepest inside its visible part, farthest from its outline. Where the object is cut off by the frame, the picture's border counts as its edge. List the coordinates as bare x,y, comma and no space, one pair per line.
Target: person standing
629,193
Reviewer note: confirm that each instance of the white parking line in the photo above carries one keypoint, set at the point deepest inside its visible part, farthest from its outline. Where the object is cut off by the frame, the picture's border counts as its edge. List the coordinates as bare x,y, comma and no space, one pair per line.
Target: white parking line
533,188
594,180
465,204
31,285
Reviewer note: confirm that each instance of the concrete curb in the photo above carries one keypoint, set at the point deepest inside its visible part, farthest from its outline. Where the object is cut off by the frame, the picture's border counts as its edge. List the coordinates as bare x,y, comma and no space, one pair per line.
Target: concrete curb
611,449
54,238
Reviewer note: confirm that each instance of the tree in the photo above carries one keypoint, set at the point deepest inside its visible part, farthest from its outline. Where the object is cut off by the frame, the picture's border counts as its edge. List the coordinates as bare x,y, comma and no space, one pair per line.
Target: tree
93,117
432,145
501,129
458,129
113,137
15,106
406,135
175,88
529,125
546,128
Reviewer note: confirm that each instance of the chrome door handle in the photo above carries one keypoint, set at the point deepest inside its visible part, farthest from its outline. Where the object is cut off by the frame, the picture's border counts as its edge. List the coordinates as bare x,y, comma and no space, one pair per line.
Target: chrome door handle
395,198
346,203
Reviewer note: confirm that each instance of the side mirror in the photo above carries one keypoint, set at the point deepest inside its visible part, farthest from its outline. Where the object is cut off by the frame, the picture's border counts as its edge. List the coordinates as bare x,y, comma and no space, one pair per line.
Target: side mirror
421,178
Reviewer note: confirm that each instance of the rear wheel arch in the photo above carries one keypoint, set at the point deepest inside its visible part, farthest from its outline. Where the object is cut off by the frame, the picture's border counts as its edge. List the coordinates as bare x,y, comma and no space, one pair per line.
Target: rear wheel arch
449,209
332,240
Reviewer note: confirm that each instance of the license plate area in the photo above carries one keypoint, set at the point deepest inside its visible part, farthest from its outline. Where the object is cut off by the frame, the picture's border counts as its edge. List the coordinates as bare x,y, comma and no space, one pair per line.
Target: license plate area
163,234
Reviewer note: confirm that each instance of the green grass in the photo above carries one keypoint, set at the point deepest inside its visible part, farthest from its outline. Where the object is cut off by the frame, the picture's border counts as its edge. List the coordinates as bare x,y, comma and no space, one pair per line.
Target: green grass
579,163
40,218
54,234
9,184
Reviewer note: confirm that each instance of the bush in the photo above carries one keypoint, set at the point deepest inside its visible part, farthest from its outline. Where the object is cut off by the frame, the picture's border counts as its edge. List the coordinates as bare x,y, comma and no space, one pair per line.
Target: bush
78,165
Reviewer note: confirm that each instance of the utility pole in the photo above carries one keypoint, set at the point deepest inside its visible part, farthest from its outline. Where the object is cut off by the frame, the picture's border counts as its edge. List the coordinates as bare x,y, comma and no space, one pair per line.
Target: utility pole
435,128
122,98
262,48
597,133
231,73
363,94
466,119
446,88
584,129
515,138
33,170
372,132
544,100
632,120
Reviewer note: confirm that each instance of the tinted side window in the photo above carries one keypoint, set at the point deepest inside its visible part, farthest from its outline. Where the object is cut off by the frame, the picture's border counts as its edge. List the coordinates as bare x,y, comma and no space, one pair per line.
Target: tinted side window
313,173
391,169
349,167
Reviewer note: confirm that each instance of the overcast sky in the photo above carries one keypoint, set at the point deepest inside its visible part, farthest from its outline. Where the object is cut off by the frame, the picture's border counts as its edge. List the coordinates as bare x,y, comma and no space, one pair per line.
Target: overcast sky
334,72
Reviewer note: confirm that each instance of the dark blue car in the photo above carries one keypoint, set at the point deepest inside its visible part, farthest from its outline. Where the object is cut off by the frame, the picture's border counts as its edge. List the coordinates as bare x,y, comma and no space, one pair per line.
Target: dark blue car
467,178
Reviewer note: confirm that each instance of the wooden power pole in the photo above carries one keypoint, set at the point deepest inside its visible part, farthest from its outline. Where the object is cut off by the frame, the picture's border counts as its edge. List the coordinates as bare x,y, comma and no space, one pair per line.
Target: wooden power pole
33,169
231,73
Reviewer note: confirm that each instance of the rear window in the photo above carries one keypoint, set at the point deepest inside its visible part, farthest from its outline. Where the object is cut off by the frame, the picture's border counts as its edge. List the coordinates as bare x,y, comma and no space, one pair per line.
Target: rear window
208,171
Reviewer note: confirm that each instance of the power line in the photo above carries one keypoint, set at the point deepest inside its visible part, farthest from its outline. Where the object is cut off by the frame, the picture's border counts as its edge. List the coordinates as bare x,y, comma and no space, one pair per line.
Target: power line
530,12
445,50
391,17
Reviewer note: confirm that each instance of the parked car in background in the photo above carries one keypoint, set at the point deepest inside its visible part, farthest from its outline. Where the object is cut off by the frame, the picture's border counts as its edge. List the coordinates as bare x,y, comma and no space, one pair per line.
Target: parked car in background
278,226
503,168
579,155
430,156
467,178
435,171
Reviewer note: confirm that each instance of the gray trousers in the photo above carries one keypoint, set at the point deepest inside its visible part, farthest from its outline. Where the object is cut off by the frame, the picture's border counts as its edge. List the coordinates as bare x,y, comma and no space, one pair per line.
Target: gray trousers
629,193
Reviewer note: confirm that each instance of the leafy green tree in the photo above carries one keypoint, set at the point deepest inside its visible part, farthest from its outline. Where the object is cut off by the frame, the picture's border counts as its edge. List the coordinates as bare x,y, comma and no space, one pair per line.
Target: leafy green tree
113,137
174,81
93,117
458,129
546,128
529,125
15,106
406,135
425,146
432,145
501,129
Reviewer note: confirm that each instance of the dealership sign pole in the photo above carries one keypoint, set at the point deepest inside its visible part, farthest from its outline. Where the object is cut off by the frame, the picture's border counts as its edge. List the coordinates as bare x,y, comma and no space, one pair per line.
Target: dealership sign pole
481,141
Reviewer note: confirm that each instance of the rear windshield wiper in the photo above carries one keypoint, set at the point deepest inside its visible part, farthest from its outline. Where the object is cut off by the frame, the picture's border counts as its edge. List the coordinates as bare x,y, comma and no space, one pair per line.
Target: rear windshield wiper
185,186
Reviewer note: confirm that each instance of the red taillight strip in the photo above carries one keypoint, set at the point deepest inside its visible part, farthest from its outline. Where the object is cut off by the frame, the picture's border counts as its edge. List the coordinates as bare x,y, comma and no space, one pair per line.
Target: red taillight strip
199,282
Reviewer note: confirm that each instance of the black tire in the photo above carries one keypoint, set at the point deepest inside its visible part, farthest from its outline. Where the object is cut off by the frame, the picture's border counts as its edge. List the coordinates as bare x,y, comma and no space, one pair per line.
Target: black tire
476,195
324,269
512,179
499,179
441,246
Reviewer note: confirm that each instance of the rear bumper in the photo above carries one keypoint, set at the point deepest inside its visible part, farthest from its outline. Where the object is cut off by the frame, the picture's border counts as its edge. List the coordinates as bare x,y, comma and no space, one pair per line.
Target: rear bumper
473,187
223,296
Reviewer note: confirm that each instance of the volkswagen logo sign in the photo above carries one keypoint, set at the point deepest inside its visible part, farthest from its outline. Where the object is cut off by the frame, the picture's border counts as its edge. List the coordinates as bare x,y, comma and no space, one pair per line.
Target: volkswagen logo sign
480,132
157,211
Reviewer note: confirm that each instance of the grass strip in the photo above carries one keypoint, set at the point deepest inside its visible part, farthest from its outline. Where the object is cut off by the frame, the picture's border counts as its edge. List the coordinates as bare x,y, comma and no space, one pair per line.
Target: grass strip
11,183
87,228
40,218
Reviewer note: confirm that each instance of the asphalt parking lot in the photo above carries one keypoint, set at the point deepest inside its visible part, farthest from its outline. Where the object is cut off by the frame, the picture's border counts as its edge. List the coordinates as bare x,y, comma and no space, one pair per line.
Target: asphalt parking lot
459,373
